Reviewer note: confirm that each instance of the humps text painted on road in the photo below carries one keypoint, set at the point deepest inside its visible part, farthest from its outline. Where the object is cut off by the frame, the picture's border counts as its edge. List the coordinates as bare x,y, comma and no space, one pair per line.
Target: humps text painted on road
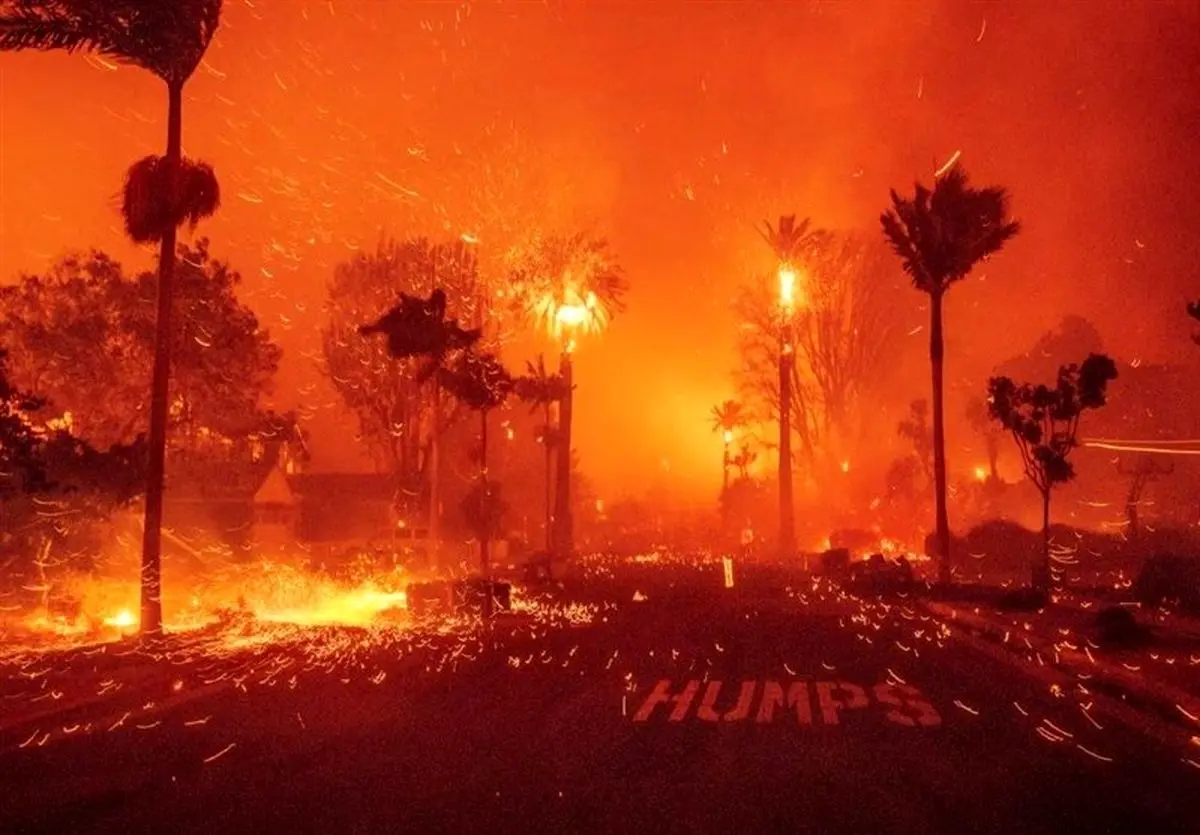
811,702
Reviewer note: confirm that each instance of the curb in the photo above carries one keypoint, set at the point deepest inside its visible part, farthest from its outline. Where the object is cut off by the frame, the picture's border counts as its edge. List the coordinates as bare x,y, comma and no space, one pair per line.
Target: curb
1165,701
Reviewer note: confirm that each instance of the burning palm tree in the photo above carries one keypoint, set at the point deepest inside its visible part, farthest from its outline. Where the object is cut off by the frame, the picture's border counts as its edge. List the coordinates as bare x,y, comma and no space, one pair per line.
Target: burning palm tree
569,286
168,39
940,235
727,419
790,242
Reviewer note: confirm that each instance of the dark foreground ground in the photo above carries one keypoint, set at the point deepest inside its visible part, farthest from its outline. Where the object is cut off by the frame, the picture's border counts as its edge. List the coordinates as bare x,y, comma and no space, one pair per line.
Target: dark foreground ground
540,732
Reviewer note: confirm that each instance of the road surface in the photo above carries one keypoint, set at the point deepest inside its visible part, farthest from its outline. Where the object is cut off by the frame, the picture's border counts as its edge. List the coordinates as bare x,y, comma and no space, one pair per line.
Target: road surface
695,709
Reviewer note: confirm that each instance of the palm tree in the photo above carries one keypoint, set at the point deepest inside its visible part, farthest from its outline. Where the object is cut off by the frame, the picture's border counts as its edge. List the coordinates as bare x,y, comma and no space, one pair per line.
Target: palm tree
161,193
727,419
568,286
481,383
939,236
790,241
418,328
542,389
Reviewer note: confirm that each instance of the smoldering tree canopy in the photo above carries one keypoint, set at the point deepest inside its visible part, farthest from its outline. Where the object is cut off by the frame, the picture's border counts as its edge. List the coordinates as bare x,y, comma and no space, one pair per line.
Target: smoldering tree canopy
548,273
165,37
940,235
159,197
478,380
417,327
538,386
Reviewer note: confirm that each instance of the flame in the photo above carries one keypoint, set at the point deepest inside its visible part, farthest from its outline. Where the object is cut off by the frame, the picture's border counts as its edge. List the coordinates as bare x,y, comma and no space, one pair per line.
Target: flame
845,466
981,473
265,592
124,619
728,436
787,287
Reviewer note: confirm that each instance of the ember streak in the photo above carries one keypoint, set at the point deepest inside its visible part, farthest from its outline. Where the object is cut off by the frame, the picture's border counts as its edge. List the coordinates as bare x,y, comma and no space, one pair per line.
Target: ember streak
586,416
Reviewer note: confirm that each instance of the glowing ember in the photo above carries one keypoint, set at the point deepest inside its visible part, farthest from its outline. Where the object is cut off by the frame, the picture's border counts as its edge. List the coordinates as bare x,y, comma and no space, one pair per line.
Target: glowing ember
124,619
787,288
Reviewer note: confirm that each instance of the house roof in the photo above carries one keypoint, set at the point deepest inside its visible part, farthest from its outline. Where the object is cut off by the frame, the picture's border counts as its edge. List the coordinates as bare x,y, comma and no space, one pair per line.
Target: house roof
275,489
357,486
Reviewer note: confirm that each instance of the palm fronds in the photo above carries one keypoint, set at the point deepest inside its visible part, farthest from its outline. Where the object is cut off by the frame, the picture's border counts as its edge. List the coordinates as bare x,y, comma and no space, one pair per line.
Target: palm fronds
167,38
157,198
940,234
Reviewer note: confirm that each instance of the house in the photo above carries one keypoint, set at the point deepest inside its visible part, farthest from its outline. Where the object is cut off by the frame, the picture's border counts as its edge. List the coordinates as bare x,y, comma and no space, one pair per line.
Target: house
323,508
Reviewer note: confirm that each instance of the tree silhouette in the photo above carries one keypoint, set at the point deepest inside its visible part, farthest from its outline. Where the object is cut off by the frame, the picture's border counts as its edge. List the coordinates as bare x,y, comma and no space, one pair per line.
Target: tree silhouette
567,286
161,193
915,430
392,406
1141,472
20,467
542,389
83,333
1193,310
481,383
1044,422
417,329
744,460
939,236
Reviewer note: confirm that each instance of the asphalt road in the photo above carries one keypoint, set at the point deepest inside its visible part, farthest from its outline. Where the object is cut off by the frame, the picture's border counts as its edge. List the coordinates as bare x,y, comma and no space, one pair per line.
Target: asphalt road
830,717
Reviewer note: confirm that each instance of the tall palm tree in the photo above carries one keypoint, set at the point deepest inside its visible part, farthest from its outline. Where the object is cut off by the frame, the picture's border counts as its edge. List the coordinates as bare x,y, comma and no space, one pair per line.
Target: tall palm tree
542,389
418,328
168,39
727,419
481,383
939,236
569,286
790,241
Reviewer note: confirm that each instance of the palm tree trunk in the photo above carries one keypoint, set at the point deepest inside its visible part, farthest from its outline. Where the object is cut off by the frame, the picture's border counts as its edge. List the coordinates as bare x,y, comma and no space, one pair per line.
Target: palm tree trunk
563,537
151,585
725,489
549,481
787,519
1041,576
936,359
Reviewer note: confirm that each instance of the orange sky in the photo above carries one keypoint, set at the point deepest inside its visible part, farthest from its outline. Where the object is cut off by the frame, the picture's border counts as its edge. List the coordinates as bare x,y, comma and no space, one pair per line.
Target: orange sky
671,128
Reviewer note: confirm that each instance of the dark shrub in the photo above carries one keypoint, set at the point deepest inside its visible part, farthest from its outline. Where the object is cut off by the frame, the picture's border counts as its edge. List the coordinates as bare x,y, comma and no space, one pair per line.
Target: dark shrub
1022,600
835,562
1169,578
1116,626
